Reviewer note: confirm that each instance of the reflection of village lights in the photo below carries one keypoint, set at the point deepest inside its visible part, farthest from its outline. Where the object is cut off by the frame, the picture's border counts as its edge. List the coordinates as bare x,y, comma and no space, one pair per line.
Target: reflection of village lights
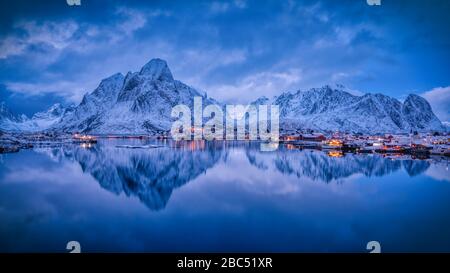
291,147
86,145
194,145
335,154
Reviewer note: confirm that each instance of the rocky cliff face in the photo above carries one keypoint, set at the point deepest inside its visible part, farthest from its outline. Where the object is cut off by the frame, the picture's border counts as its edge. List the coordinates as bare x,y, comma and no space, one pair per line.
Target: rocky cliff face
140,102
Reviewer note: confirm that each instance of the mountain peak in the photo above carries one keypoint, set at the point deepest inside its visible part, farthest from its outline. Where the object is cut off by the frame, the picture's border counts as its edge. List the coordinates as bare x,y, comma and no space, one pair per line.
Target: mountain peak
157,69
56,109
116,76
6,113
414,97
112,80
418,112
3,106
108,87
417,101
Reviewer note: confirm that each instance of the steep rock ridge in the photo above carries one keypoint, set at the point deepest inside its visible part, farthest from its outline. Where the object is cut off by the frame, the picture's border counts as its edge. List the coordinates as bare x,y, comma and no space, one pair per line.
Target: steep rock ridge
140,102
333,108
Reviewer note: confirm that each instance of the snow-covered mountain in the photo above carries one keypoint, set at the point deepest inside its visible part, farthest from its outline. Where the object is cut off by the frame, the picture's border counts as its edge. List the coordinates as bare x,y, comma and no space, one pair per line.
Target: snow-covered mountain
7,118
40,121
334,108
140,102
7,115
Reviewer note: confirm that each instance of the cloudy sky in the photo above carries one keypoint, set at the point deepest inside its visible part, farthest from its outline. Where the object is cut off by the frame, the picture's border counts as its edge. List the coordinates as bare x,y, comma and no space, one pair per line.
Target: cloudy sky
235,50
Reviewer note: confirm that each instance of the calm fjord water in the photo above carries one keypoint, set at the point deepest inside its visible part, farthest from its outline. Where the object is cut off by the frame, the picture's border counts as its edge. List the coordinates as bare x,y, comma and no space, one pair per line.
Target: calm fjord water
220,197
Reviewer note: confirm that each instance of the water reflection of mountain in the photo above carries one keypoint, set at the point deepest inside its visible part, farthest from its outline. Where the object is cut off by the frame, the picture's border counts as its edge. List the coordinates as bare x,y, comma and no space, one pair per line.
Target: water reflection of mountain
319,166
415,167
152,174
149,174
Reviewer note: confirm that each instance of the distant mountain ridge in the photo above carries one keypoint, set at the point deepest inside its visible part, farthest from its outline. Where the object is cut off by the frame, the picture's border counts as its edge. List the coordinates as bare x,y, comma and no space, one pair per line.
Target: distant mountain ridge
38,122
141,103
332,108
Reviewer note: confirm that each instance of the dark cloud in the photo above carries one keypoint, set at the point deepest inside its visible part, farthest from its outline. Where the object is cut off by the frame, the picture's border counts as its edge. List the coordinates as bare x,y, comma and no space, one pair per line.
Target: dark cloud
235,50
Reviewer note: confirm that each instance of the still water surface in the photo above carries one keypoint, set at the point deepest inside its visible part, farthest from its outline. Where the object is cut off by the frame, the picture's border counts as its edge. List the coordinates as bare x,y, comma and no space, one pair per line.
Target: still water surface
220,197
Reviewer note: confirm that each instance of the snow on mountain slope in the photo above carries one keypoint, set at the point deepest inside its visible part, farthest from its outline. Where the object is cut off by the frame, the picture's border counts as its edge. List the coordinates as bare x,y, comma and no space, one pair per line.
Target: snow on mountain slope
6,114
417,111
139,103
93,105
44,120
333,108
40,121
8,120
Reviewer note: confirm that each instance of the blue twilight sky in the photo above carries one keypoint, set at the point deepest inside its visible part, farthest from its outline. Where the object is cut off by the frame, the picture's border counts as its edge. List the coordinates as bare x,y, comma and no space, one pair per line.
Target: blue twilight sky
235,50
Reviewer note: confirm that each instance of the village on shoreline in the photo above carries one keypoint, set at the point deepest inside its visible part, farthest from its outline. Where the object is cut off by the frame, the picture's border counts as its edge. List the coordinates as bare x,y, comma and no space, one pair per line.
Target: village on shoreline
414,143
335,143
